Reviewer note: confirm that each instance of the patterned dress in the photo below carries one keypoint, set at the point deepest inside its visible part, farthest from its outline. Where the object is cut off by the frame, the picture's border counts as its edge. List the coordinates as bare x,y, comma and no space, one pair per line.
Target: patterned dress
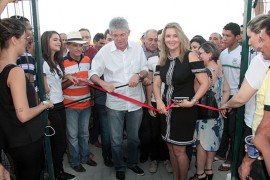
178,127
208,132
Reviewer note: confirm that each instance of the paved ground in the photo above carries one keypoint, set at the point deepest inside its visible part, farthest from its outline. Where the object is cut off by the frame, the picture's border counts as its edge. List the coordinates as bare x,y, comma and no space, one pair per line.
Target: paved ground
101,172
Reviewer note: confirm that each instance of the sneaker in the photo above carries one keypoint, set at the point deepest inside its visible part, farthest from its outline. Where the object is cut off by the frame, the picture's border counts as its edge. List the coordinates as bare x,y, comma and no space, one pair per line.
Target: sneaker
168,166
137,170
120,175
153,166
65,176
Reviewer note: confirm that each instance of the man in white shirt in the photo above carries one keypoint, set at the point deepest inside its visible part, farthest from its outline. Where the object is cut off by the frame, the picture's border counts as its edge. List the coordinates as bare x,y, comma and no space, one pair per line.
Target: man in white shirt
122,62
230,59
247,96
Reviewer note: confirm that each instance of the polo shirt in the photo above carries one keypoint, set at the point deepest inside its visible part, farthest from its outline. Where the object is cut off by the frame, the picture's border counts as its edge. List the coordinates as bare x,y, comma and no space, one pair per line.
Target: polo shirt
263,101
80,70
231,62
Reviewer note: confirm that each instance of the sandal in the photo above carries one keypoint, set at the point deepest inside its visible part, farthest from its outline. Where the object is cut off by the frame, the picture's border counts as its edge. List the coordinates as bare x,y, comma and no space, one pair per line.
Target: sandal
219,158
226,166
197,176
209,175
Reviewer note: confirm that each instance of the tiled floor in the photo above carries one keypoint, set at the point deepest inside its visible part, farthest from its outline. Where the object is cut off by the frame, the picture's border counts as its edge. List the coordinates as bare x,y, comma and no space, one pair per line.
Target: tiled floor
101,172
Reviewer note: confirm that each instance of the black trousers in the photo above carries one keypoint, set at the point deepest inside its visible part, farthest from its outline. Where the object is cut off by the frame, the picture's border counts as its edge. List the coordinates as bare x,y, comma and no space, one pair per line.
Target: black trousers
150,137
57,118
28,160
228,136
95,130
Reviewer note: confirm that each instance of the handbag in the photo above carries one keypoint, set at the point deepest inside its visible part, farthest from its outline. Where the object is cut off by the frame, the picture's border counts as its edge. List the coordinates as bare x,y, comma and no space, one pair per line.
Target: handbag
209,100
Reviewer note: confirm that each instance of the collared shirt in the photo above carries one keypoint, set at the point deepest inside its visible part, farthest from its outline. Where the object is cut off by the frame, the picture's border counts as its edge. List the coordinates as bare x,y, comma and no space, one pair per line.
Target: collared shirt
263,101
118,67
149,54
80,70
231,62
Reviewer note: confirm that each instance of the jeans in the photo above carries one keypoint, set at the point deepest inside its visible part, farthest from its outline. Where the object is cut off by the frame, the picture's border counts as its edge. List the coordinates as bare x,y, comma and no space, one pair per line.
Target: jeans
116,125
105,130
78,135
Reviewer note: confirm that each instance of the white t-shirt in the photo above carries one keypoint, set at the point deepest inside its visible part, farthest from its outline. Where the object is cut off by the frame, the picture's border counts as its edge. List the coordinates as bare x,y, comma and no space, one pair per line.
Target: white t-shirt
254,76
231,62
152,63
54,83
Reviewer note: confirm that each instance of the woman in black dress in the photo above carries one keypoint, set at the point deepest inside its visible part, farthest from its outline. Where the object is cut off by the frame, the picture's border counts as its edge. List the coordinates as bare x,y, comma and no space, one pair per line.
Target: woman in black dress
21,126
177,68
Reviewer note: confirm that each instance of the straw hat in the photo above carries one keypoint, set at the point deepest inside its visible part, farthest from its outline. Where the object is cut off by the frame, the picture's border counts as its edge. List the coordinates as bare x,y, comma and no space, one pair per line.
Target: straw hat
75,37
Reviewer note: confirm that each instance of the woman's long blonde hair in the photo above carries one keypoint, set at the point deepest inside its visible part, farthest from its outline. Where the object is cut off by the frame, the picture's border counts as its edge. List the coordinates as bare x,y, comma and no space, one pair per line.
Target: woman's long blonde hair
184,43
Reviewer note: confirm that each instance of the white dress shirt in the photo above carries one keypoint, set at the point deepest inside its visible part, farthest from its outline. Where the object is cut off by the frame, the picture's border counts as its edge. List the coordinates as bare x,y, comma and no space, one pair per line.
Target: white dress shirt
118,67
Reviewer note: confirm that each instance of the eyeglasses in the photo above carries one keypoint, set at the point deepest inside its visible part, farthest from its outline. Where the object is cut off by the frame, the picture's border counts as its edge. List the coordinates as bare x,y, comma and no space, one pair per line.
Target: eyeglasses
199,53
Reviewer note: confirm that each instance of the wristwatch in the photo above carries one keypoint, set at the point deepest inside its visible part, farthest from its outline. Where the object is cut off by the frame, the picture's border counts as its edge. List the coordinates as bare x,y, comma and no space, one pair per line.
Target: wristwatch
141,76
195,100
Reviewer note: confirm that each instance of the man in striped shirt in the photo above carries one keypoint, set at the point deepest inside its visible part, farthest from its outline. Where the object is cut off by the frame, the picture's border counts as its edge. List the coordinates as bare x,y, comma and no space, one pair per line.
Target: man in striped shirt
78,113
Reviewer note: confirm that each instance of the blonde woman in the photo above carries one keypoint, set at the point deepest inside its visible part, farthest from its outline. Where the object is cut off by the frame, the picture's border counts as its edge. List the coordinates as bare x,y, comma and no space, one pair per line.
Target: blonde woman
177,68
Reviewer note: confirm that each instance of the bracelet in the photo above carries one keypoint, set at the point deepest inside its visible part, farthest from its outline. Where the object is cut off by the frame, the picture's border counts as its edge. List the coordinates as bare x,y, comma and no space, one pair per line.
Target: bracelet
195,100
46,104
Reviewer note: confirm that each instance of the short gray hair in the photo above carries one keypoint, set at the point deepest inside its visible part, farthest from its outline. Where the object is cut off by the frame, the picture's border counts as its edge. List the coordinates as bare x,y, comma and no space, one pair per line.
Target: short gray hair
118,23
148,31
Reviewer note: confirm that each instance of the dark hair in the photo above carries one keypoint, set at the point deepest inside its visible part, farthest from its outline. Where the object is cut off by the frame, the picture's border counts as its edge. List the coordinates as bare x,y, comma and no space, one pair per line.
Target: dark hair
106,32
266,24
84,29
199,39
233,27
159,31
20,18
98,36
10,28
46,53
210,47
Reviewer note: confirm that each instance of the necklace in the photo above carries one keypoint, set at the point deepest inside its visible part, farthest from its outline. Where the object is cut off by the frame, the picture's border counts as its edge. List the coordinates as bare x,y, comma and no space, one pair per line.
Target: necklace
172,58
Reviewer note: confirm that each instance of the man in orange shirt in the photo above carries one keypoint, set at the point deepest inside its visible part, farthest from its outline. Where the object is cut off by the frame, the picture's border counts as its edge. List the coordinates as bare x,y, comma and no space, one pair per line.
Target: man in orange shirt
77,113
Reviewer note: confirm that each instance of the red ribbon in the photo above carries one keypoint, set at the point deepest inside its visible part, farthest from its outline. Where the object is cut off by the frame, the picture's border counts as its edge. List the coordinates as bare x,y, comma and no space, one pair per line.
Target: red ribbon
123,97
208,107
138,102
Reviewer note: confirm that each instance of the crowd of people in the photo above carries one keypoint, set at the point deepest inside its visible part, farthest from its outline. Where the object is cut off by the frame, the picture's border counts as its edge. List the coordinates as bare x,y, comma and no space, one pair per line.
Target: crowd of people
167,71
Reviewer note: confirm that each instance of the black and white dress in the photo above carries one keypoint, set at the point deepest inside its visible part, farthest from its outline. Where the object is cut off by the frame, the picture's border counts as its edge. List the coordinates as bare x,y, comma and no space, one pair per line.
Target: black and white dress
178,127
